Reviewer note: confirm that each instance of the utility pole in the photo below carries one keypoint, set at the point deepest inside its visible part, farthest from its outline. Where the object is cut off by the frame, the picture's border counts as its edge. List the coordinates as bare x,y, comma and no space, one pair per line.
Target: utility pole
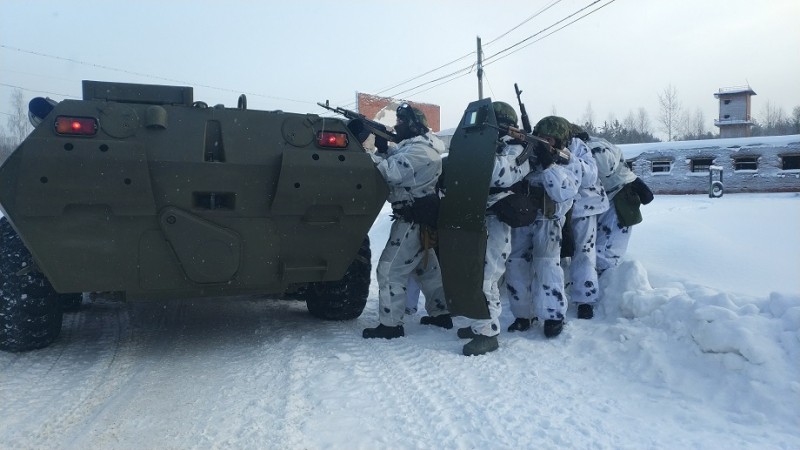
480,70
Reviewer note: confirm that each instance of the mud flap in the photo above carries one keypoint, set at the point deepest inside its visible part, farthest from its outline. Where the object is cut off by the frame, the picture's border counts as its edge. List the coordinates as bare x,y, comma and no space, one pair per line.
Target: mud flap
462,216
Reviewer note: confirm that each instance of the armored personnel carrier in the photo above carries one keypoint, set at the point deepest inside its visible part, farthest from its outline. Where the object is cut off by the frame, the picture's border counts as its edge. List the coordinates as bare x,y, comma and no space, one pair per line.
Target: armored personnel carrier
143,190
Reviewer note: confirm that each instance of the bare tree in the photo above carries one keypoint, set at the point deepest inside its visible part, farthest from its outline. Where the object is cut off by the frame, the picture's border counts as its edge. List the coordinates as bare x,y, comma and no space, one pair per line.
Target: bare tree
699,122
772,115
630,121
588,116
795,120
642,121
18,124
693,125
669,113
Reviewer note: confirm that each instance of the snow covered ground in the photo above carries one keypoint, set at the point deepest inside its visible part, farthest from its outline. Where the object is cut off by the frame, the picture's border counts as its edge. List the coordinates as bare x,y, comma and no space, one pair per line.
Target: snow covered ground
696,345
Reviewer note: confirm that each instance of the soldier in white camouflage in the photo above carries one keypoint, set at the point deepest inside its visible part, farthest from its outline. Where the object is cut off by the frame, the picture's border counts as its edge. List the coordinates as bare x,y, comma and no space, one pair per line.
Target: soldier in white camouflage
411,169
534,276
590,202
510,167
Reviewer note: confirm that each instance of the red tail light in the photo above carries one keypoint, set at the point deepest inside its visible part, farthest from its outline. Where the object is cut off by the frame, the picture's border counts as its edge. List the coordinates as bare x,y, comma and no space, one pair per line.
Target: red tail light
76,126
331,139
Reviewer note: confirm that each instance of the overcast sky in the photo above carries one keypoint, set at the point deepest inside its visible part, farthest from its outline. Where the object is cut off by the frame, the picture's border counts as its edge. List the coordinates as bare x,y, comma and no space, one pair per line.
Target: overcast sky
290,55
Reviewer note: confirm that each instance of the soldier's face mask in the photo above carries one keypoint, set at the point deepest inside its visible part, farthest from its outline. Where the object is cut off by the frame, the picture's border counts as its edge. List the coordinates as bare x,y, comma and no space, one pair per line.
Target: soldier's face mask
407,125
405,113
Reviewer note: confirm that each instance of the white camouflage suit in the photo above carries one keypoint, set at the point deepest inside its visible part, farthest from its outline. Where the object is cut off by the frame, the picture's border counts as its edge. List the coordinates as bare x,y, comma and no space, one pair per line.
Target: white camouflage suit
506,172
411,169
613,173
590,202
534,276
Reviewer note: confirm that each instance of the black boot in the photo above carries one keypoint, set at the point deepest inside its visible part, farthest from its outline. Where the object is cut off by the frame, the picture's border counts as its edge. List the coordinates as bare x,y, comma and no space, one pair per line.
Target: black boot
520,324
442,320
466,333
480,345
553,327
383,332
585,311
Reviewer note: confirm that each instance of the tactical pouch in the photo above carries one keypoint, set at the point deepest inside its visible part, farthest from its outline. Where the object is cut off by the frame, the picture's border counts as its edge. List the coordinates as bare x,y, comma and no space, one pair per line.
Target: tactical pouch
627,205
425,210
515,210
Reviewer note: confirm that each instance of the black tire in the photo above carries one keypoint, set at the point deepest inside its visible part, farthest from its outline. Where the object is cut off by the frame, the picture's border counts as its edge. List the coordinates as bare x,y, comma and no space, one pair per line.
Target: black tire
716,189
30,315
344,299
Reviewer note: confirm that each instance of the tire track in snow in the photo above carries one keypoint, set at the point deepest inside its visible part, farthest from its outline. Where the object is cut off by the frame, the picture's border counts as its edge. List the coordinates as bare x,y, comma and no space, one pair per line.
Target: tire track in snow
91,339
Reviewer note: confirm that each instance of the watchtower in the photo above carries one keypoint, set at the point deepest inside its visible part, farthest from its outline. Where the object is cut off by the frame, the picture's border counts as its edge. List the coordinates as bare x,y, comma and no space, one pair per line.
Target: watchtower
734,111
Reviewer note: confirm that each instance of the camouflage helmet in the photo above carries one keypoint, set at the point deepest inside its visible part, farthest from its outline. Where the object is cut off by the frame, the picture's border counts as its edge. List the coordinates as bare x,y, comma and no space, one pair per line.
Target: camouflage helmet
505,114
556,127
578,132
415,118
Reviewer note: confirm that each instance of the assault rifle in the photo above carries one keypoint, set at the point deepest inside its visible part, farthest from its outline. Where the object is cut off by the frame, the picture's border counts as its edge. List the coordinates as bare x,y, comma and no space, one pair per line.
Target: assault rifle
560,155
373,127
526,122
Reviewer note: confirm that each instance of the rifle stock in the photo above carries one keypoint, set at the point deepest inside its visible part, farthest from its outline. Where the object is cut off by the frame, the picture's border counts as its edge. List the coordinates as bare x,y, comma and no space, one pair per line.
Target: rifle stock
375,128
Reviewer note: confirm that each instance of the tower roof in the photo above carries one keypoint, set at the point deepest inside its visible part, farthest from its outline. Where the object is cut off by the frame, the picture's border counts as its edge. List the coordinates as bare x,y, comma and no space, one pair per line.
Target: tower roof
736,90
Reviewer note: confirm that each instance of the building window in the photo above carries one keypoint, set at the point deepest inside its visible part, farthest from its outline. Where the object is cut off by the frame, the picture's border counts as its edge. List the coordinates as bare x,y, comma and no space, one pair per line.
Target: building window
727,116
662,166
790,162
745,163
701,164
727,102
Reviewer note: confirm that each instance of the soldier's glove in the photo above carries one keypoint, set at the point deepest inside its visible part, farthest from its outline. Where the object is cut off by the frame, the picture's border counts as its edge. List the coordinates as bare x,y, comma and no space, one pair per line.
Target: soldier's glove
642,190
356,126
381,144
544,154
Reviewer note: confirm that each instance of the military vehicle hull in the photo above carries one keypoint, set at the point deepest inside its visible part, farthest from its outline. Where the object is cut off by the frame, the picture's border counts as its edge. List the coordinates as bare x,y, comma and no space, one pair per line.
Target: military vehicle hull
138,188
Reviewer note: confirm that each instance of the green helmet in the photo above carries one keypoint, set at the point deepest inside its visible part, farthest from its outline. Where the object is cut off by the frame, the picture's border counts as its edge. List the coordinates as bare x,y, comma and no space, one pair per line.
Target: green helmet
556,127
414,117
579,132
505,114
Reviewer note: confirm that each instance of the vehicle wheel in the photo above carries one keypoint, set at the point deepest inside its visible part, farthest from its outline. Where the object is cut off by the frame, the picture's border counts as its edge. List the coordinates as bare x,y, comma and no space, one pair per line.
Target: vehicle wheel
344,299
70,302
716,189
30,315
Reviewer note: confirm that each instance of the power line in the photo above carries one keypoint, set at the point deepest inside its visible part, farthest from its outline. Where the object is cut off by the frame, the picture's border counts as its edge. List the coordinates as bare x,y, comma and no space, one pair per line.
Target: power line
536,14
552,32
439,81
497,56
489,58
156,77
36,90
